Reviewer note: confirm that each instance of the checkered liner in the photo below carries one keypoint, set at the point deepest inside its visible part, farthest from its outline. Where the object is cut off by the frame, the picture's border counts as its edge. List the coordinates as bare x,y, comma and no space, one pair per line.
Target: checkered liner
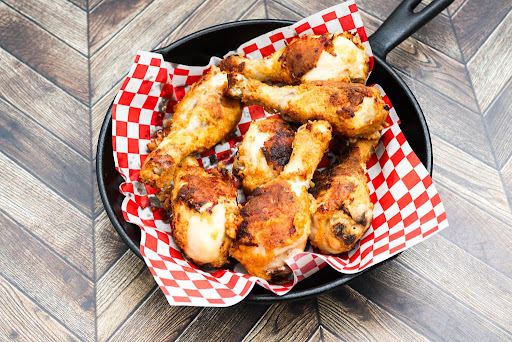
407,206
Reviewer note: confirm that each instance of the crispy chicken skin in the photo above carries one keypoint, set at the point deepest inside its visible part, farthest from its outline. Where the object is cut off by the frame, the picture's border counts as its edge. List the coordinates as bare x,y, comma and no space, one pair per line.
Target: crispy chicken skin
344,210
202,119
205,213
335,57
277,217
353,110
265,150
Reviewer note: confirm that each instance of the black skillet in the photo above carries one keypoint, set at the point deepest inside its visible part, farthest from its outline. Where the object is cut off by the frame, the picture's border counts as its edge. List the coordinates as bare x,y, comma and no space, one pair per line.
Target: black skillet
197,48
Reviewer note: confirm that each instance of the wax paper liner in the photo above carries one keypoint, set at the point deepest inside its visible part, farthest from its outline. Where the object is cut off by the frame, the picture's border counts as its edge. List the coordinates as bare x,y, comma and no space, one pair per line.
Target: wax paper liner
407,206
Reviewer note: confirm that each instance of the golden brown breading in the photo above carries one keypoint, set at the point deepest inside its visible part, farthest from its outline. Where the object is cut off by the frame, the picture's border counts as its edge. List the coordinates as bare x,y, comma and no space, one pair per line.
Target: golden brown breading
277,217
354,110
205,213
344,210
264,152
337,57
202,119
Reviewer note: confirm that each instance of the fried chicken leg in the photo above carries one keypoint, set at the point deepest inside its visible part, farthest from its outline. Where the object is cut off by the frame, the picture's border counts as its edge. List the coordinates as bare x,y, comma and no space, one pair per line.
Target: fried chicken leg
205,213
334,57
277,217
202,119
264,152
353,110
344,210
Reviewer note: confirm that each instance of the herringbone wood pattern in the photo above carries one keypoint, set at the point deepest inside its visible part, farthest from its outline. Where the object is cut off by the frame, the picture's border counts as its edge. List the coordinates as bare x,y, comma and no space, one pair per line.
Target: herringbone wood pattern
66,275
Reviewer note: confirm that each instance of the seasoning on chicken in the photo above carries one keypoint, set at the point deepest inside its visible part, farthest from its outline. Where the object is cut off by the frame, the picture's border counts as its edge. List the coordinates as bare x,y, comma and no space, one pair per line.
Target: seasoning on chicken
277,217
202,119
334,57
205,213
353,110
265,150
344,210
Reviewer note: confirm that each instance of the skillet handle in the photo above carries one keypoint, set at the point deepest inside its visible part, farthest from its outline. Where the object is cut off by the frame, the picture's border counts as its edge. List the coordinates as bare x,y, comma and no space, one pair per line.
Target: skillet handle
402,23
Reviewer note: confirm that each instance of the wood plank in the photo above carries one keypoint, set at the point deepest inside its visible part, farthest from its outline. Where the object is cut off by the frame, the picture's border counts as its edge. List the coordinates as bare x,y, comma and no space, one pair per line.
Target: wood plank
444,118
488,78
155,320
477,232
109,17
113,61
119,291
231,324
288,321
80,3
455,6
438,33
46,215
50,159
49,56
318,335
352,317
278,11
423,306
506,174
57,17
109,246
464,277
212,12
256,11
475,21
429,66
41,99
94,3
22,319
46,278
470,178
497,119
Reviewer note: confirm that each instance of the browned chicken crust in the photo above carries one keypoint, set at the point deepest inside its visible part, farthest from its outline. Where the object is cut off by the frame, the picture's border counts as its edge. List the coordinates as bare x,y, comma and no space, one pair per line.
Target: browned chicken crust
202,119
337,57
265,150
354,110
205,213
344,209
277,217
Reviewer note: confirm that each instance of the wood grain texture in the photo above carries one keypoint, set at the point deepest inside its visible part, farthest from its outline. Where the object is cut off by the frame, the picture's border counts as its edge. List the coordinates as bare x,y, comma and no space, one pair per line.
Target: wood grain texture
108,246
352,317
475,21
106,19
443,117
455,6
470,178
57,17
489,78
119,291
223,324
49,56
39,98
423,306
53,219
478,232
497,118
52,161
80,3
293,321
155,320
443,264
278,11
506,174
23,320
159,19
209,13
46,278
256,11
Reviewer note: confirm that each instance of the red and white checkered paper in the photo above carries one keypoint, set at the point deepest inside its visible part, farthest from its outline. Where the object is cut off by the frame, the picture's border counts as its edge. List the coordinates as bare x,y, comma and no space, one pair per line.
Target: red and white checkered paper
407,206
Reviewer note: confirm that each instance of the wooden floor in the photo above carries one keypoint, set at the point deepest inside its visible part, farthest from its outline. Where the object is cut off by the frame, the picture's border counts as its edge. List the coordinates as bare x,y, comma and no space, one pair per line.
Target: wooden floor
65,274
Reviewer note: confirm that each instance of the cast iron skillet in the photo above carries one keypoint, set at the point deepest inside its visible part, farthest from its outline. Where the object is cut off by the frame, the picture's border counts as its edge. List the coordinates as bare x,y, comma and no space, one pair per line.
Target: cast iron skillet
197,48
